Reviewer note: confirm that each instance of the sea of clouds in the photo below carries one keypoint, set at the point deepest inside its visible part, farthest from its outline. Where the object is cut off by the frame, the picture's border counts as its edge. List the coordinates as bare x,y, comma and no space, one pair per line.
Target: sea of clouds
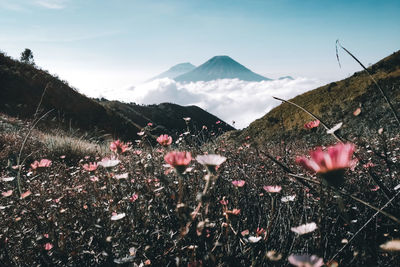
229,99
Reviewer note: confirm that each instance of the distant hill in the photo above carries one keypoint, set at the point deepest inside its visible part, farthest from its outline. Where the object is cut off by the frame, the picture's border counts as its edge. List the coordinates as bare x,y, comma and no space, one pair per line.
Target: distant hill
168,117
22,86
336,102
220,67
175,71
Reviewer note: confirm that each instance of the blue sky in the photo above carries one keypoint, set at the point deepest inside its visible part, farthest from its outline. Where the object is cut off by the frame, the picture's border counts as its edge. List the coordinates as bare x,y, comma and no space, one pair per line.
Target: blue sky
106,44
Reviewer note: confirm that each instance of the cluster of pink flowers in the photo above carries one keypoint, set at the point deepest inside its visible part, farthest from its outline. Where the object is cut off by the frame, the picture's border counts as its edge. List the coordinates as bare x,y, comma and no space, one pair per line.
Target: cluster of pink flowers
43,163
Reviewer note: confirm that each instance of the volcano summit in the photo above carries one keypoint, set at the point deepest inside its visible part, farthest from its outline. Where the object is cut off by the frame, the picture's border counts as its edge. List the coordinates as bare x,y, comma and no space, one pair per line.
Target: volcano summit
220,67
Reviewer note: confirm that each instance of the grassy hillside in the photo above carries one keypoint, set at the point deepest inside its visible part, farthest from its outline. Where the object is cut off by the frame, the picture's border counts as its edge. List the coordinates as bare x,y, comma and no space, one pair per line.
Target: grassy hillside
336,102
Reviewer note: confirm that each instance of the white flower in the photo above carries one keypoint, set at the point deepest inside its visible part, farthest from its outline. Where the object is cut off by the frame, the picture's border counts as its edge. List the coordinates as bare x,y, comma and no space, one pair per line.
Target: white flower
122,176
117,217
210,160
7,179
254,239
108,163
288,198
304,228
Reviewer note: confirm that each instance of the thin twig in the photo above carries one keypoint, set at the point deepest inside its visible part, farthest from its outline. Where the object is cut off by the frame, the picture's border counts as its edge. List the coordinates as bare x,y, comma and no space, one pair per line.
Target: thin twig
21,149
359,230
372,78
349,195
312,115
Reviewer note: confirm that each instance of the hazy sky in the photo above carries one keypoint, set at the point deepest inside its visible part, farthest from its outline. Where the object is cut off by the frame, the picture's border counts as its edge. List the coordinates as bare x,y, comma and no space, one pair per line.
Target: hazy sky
107,44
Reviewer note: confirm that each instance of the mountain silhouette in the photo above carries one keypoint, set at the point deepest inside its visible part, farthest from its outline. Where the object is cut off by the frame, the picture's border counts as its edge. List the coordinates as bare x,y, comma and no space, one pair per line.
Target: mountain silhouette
220,67
175,71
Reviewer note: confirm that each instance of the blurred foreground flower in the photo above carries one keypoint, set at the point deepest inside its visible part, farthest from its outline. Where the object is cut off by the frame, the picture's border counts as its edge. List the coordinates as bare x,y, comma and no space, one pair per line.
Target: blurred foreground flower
164,140
305,261
304,228
178,160
393,245
211,161
272,188
330,164
43,163
312,124
118,147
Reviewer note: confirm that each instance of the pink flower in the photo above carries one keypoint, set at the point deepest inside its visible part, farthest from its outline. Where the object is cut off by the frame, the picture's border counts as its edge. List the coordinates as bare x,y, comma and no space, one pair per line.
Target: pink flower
7,193
90,167
94,179
43,163
149,124
369,165
311,124
223,201
26,194
330,164
272,188
178,160
238,183
164,140
218,122
233,212
118,147
48,246
133,198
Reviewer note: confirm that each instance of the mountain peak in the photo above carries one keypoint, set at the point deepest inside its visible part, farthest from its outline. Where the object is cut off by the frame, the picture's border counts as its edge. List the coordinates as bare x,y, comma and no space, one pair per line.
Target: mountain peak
220,67
175,71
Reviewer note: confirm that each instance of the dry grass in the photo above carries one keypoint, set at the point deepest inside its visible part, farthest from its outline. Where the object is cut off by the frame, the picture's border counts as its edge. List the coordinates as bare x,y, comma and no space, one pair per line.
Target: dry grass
72,147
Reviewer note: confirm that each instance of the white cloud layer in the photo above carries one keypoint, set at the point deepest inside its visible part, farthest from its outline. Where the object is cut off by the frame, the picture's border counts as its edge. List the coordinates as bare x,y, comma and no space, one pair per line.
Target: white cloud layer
228,99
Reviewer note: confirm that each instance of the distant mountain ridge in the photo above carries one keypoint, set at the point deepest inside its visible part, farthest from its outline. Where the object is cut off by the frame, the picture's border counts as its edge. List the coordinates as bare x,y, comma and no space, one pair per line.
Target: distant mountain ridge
175,71
220,67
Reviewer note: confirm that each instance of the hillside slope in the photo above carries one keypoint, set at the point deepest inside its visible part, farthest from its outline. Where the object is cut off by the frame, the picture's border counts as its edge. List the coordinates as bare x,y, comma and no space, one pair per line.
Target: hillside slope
336,102
22,86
